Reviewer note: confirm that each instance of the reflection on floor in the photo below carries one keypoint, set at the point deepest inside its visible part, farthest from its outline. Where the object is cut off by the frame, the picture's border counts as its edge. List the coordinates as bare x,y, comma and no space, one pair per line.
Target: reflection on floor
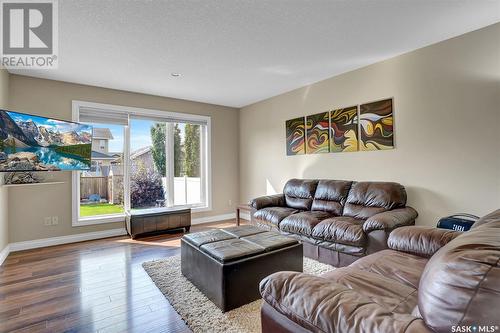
90,286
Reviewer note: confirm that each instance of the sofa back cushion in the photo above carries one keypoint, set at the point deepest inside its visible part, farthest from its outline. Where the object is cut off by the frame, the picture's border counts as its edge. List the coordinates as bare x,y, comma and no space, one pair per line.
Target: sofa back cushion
461,282
330,196
366,199
299,193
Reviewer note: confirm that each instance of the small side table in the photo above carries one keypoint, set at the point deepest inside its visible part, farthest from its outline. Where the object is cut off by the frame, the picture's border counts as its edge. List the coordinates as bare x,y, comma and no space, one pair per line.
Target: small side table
239,208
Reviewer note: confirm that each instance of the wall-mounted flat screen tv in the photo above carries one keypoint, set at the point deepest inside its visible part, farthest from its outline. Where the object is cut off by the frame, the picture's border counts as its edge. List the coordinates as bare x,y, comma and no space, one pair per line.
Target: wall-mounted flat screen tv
33,143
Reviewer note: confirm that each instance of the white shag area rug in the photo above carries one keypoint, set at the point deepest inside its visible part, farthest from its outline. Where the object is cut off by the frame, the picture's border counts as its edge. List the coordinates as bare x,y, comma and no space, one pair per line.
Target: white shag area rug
199,313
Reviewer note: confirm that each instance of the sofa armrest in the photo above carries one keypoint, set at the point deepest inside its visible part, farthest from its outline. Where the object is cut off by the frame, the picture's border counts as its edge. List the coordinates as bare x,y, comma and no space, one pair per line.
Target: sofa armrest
391,219
321,305
277,200
422,241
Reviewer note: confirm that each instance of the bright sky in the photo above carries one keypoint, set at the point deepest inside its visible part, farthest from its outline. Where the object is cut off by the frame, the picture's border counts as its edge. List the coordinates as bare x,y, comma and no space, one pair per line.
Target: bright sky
140,134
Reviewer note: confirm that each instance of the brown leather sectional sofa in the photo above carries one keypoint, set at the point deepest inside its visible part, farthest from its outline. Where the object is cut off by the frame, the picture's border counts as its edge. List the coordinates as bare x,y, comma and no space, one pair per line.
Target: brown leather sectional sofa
430,280
338,221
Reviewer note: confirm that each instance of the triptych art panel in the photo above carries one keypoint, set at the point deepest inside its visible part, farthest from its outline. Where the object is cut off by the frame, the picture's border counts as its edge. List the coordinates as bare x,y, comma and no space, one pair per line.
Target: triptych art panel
369,127
317,133
376,124
344,129
295,136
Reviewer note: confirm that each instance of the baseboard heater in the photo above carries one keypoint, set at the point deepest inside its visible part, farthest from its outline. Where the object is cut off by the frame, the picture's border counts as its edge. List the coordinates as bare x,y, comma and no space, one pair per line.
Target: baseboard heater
149,222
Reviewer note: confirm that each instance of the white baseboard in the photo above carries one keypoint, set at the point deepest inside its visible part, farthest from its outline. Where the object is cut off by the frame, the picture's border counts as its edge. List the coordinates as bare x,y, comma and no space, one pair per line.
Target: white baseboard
4,253
215,218
36,243
245,216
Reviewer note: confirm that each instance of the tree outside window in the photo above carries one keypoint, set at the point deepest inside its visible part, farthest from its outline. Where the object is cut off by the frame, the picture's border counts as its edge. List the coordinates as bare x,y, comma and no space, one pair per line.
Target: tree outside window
192,150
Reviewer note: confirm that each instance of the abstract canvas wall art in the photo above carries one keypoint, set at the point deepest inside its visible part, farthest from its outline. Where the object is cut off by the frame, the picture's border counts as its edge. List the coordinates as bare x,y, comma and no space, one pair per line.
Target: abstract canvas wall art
295,136
376,125
344,129
317,133
367,127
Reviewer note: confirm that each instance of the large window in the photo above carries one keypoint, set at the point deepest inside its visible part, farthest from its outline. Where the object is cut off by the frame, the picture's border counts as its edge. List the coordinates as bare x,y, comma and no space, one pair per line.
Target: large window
141,159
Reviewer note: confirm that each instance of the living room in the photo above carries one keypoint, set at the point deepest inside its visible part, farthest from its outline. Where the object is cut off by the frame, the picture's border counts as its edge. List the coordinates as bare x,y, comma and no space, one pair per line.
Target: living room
265,166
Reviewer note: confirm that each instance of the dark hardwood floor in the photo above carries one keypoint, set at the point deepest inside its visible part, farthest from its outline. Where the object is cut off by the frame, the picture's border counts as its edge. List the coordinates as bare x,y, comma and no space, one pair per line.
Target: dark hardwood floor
94,286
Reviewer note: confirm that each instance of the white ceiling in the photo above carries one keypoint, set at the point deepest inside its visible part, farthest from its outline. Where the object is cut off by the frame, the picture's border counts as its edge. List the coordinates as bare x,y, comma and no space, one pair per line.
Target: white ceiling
234,52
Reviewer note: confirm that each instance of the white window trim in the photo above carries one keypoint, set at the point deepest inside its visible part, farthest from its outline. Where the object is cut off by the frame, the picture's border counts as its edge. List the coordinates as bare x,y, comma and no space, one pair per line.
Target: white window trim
207,184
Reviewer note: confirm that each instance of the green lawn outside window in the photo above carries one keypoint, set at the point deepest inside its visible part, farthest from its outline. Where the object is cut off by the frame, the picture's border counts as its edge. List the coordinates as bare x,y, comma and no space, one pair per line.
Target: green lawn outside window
100,209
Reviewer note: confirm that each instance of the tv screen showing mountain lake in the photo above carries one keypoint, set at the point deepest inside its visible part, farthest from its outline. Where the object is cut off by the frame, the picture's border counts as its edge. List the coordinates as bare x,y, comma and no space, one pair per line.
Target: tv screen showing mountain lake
33,143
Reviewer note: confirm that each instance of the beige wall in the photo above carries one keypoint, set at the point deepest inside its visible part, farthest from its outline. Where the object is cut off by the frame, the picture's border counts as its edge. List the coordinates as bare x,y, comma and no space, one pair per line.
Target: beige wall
4,225
447,128
447,115
29,205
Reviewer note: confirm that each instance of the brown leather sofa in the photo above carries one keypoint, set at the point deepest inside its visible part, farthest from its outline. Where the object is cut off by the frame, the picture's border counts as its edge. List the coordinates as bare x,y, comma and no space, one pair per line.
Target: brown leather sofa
430,280
338,221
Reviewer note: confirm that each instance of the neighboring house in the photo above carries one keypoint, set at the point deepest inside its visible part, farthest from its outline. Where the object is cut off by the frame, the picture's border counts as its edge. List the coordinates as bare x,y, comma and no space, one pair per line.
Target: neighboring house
102,159
115,170
142,157
100,140
102,164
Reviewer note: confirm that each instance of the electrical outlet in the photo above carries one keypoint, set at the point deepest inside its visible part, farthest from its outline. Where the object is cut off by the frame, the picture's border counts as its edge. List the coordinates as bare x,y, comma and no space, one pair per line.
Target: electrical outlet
47,221
230,202
55,220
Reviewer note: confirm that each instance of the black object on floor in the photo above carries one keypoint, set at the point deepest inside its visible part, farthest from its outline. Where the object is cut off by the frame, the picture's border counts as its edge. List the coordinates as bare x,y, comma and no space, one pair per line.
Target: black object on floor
149,222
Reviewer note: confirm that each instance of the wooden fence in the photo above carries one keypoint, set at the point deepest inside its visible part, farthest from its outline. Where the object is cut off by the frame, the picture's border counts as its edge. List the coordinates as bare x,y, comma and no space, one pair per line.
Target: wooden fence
94,185
109,188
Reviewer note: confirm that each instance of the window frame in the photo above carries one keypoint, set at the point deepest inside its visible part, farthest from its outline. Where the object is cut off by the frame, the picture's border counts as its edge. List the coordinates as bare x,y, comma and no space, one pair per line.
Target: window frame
206,161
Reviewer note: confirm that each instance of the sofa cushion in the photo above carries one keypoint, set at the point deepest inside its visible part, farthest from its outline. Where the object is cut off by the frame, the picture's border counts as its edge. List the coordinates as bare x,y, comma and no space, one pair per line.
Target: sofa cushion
460,283
394,296
391,219
299,193
302,223
420,240
243,230
366,199
492,217
330,196
319,305
275,200
402,267
341,229
352,250
270,240
274,215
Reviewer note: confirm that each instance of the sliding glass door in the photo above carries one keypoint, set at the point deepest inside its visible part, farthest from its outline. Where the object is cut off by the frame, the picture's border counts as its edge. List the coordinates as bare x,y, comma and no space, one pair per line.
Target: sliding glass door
153,164
148,167
187,161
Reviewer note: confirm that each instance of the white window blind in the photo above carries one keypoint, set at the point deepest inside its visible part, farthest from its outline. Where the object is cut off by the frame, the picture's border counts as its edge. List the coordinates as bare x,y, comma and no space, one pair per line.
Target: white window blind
169,119
99,116
95,115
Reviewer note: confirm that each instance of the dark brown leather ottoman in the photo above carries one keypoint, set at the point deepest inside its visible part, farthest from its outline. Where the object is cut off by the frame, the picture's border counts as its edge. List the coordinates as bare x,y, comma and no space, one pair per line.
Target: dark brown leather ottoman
227,265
